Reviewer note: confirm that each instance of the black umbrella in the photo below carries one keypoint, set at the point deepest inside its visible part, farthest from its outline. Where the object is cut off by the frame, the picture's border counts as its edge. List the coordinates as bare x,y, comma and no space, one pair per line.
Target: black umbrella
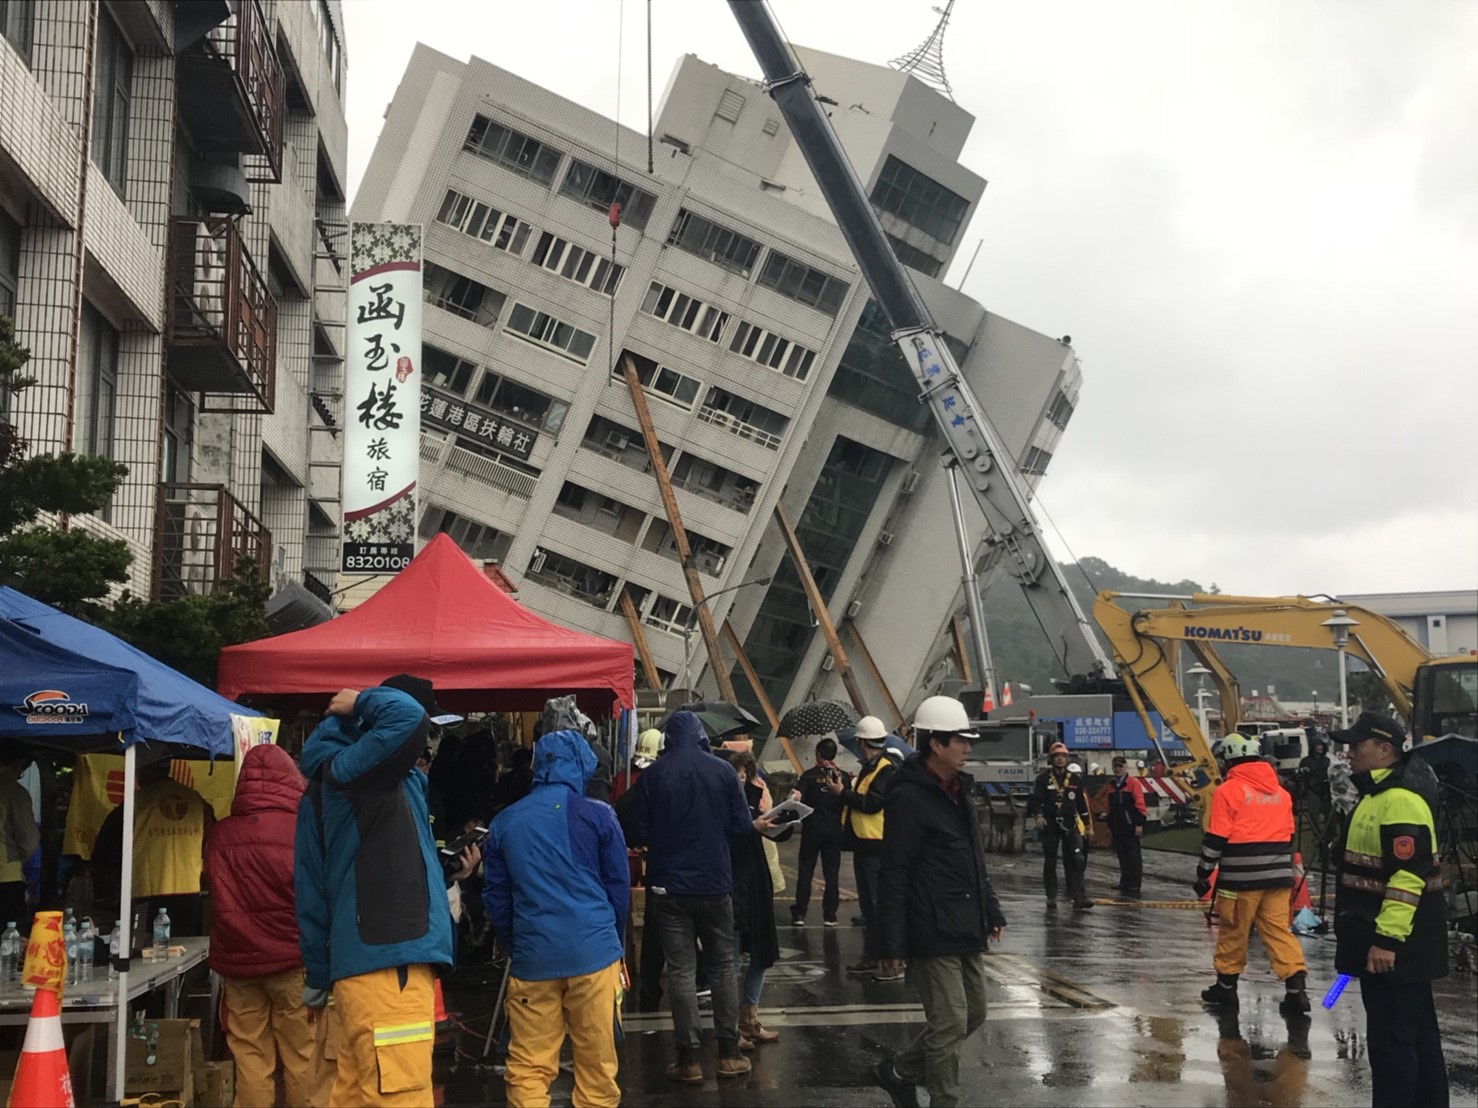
720,718
817,717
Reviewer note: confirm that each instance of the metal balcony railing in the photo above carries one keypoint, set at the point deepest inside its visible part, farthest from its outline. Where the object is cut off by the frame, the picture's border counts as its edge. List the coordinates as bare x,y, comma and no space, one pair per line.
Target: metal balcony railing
223,318
201,535
233,94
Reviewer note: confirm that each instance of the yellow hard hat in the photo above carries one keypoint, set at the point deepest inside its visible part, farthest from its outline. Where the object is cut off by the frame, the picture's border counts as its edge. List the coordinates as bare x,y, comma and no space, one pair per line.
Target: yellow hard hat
648,745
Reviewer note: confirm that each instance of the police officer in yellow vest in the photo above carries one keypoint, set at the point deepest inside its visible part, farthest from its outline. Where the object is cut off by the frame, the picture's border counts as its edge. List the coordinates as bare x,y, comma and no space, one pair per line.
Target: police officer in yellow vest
1390,913
18,834
169,825
862,818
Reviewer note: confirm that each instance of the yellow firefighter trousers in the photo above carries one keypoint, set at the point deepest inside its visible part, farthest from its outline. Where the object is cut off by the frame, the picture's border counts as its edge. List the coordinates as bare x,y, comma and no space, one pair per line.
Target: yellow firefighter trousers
385,1036
266,1021
1268,909
539,1015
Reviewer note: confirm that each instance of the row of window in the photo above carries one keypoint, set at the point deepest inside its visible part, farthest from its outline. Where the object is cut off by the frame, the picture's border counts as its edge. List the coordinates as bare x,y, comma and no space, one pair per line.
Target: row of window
737,414
728,249
919,201
475,301
528,406
913,257
708,322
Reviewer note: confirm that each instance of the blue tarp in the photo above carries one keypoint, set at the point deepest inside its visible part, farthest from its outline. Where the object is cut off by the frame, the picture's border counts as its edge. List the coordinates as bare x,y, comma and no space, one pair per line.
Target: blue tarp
161,706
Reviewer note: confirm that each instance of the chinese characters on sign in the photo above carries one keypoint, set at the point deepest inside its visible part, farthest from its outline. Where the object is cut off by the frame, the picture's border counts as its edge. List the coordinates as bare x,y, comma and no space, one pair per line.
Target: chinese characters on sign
479,428
382,381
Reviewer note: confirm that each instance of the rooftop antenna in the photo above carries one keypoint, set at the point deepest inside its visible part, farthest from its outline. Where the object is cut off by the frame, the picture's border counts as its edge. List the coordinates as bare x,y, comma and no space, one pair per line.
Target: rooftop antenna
926,61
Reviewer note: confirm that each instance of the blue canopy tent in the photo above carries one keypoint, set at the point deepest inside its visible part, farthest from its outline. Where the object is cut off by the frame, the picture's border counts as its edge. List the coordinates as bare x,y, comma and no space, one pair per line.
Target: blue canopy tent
68,685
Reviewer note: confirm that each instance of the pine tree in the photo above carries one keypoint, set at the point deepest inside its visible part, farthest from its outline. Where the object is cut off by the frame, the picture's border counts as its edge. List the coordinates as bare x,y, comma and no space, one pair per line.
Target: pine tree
69,569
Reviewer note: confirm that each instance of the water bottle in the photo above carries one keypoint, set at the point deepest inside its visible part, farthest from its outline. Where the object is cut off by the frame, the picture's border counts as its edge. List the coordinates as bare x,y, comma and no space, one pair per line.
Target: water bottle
113,951
86,941
10,945
69,944
1334,990
161,937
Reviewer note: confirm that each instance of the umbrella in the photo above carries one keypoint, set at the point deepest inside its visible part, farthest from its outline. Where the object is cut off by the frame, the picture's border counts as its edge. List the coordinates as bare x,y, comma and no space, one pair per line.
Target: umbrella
817,717
720,719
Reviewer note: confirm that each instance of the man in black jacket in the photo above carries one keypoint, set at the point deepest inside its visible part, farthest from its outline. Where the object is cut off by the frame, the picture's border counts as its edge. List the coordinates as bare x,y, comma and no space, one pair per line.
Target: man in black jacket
821,835
1061,807
936,905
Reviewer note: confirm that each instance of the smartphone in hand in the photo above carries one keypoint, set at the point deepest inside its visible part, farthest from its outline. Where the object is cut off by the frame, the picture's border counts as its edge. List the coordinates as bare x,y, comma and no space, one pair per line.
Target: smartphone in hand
462,842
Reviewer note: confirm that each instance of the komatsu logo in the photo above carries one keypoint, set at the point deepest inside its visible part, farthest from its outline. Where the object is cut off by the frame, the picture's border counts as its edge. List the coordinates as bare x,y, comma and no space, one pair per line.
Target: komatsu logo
52,706
1225,634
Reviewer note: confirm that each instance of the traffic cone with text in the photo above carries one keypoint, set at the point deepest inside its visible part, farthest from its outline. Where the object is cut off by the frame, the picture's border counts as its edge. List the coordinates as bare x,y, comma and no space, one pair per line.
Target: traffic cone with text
41,1078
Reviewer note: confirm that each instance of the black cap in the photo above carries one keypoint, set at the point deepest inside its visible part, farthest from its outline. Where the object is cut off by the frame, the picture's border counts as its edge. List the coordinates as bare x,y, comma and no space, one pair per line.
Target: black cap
1372,725
421,691
1119,760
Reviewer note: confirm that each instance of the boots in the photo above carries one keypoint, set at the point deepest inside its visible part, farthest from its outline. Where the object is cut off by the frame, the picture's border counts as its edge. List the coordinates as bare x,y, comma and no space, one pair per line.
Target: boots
750,1027
730,1062
1295,999
1224,992
686,1069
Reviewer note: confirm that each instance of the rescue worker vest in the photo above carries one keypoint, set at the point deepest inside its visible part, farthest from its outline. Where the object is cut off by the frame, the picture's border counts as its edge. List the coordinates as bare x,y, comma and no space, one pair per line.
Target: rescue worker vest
1390,860
866,825
168,836
1065,792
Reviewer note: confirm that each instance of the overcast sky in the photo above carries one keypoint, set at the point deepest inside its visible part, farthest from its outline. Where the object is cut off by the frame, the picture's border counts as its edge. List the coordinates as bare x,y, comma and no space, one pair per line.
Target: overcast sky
1257,221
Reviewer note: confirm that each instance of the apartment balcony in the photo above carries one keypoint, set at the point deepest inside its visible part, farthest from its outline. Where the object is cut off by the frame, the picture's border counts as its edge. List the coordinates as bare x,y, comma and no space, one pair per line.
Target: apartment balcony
232,94
201,535
223,318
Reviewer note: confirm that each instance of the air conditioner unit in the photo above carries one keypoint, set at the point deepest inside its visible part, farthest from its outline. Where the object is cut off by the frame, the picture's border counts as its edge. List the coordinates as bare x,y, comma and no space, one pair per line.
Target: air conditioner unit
716,566
617,440
828,663
853,609
910,482
885,538
536,564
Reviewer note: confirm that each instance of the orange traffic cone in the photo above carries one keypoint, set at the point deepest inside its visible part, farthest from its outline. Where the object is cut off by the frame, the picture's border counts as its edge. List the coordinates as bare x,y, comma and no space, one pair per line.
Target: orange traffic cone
1207,895
1300,898
988,701
41,1078
441,1017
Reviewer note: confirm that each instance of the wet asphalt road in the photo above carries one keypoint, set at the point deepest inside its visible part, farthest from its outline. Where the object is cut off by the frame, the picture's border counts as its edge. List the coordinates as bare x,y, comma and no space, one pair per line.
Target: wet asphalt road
1091,1008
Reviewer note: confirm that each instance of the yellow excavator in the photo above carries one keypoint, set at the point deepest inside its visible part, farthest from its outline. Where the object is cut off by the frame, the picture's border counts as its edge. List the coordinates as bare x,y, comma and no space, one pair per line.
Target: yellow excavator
1436,696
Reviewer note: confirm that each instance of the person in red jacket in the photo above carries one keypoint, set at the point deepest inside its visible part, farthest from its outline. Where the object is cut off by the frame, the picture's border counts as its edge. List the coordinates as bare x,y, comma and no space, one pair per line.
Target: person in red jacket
254,939
1126,816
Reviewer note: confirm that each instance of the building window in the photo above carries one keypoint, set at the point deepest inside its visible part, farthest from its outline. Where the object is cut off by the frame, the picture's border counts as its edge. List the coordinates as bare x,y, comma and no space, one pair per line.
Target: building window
719,245
446,371
744,418
919,201
800,282
477,540
1061,410
10,264
527,406
681,310
544,330
97,383
769,349
1036,462
713,481
576,578
663,383
462,295
668,614
179,433
598,189
16,20
575,263
472,217
914,258
874,375
112,95
513,151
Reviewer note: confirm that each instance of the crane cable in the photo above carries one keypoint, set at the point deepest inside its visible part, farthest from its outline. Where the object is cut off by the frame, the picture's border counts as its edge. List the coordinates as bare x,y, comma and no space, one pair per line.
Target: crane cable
614,214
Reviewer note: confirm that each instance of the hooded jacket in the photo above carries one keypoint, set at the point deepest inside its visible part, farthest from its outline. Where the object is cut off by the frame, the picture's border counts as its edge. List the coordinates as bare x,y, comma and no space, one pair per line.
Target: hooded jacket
1390,891
683,810
557,884
1250,832
935,897
370,893
249,868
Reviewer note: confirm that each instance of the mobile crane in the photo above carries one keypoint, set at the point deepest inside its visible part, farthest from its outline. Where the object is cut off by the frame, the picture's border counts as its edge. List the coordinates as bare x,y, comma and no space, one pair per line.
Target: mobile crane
1436,695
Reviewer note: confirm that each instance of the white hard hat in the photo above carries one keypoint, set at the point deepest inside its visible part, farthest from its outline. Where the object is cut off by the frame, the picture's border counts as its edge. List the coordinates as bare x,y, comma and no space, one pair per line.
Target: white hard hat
943,715
1236,746
648,746
1073,767
870,729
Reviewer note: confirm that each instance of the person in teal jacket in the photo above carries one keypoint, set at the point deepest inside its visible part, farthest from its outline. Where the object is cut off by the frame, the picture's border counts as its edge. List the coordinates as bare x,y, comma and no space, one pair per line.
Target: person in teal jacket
557,889
373,919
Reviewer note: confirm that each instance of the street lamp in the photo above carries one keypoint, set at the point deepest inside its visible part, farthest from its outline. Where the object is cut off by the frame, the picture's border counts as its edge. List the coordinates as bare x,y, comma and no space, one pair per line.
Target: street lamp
1200,672
1339,625
693,618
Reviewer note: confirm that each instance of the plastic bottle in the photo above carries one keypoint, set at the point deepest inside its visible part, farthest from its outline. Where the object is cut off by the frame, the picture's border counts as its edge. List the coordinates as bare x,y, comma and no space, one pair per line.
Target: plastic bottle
113,951
69,943
161,937
86,944
10,945
1334,990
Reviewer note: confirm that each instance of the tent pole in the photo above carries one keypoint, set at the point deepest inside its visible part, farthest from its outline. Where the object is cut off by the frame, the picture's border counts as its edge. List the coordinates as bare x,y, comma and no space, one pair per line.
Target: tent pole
125,916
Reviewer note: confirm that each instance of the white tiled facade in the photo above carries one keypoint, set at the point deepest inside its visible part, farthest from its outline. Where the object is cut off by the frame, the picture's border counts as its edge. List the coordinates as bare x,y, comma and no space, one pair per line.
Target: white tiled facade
96,254
574,516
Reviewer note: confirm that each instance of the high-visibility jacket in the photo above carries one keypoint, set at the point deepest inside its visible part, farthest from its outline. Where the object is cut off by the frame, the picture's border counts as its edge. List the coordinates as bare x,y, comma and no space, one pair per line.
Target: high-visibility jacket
865,800
1390,891
1250,832
168,839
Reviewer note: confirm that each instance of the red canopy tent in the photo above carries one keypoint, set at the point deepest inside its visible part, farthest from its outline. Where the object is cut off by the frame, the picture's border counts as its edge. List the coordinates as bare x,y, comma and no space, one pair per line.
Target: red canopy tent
440,618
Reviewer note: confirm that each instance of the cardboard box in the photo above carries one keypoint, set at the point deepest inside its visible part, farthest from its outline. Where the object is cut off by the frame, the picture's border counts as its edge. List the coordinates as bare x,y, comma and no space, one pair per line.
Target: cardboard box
218,1089
178,1060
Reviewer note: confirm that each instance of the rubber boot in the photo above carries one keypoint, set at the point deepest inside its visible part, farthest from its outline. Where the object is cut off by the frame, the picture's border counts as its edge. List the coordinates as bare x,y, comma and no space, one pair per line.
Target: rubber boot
1224,992
750,1027
1295,999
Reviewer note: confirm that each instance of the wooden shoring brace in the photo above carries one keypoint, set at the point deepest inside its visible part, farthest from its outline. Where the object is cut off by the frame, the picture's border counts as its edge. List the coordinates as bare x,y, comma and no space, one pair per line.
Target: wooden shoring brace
962,655
639,640
899,723
679,532
759,694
